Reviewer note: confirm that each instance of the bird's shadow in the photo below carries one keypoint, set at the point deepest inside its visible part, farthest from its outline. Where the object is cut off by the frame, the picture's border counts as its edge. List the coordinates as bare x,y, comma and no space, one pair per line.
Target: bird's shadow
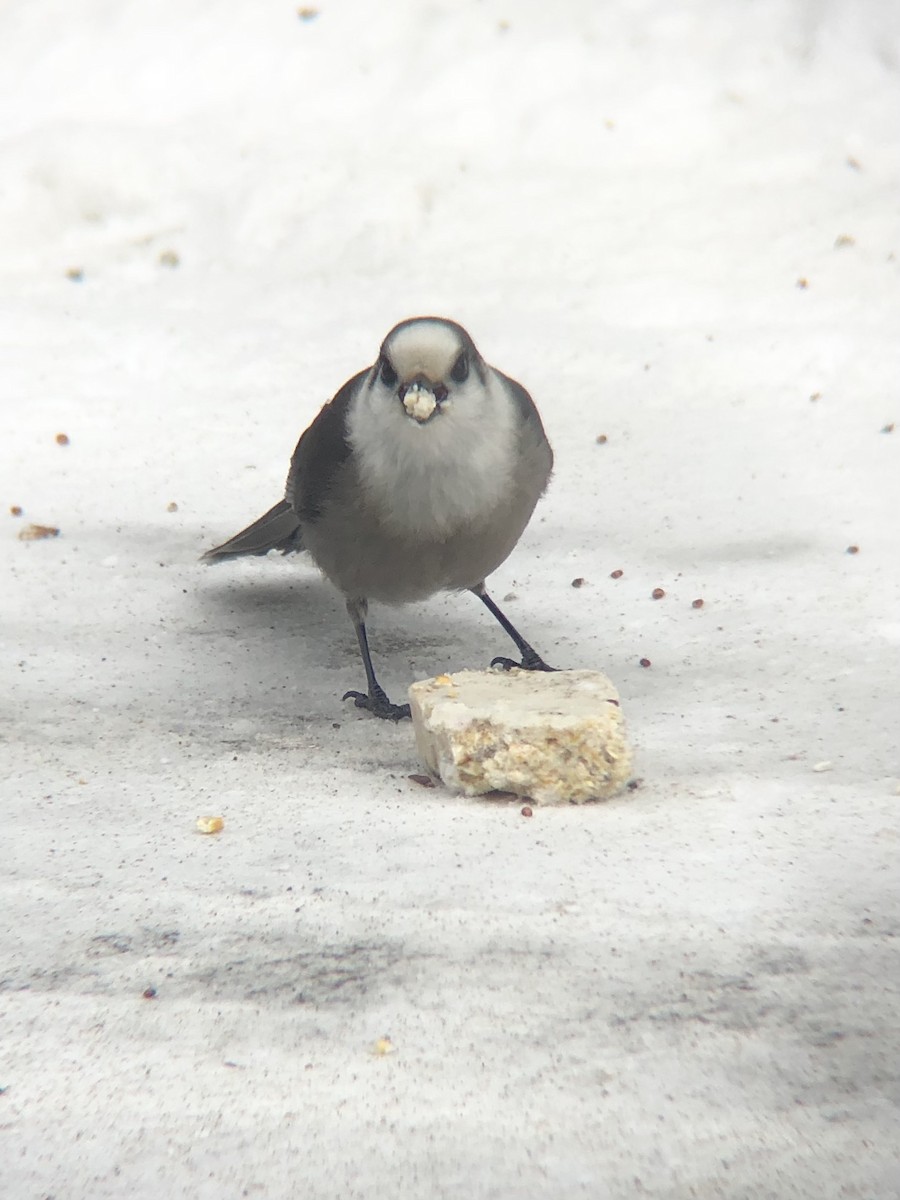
294,628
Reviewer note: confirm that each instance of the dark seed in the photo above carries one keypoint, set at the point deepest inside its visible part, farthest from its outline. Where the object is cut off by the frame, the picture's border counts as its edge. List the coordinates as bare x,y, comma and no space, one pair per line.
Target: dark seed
422,780
645,662
527,812
696,603
657,593
616,574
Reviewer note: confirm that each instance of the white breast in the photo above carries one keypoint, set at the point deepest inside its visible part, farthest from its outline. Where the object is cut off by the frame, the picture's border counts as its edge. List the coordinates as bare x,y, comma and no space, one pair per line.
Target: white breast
434,477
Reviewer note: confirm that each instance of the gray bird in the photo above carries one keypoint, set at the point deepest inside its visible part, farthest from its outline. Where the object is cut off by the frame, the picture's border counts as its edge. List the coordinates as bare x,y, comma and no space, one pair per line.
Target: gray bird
418,477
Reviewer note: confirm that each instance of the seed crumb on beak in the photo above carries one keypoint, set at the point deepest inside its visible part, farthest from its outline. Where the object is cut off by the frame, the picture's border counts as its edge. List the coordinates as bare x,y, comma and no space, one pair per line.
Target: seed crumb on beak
419,401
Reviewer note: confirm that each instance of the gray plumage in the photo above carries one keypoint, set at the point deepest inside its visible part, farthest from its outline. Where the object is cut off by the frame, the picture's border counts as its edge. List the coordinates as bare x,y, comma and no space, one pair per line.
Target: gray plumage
419,476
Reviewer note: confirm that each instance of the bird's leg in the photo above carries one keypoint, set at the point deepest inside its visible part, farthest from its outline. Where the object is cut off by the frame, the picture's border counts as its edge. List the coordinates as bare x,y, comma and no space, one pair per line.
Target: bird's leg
531,660
376,702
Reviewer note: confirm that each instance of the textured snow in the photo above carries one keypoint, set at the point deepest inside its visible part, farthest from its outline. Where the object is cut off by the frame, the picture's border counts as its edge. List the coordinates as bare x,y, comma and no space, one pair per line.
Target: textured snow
678,226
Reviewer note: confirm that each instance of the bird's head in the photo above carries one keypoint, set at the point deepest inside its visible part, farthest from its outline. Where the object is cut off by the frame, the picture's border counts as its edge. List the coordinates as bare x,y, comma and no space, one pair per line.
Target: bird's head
427,365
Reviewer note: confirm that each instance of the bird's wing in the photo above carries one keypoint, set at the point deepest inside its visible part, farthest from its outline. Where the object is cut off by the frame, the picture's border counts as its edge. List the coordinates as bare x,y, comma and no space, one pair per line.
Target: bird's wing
532,426
320,453
524,402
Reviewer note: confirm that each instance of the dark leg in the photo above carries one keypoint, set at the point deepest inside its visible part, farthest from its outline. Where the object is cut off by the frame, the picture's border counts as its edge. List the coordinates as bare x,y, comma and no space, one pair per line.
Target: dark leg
376,702
531,660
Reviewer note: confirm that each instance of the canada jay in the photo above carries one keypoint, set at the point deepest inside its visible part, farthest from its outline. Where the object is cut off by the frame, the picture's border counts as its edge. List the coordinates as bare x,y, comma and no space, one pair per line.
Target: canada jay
418,477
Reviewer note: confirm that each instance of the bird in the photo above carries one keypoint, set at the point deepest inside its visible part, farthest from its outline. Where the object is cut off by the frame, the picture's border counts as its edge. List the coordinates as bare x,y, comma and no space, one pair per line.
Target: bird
418,477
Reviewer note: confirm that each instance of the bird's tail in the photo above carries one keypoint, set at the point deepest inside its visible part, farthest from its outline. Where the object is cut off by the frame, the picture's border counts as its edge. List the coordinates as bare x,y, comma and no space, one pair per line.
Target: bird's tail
278,529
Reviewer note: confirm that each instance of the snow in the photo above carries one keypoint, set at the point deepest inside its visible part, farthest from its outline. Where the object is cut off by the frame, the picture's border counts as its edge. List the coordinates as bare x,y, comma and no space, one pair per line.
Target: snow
678,226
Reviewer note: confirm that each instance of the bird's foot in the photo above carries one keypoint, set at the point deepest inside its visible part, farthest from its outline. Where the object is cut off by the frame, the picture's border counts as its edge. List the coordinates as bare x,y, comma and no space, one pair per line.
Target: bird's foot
530,662
378,705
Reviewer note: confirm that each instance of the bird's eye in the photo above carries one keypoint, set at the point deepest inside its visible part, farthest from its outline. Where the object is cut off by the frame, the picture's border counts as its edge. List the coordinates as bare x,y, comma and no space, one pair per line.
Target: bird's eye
460,372
388,374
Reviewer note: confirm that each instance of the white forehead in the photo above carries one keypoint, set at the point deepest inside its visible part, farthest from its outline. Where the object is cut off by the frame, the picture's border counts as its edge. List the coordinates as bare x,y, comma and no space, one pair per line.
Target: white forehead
431,347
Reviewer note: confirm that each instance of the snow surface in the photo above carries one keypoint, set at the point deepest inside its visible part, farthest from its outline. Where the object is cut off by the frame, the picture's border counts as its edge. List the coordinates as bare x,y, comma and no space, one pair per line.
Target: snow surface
677,224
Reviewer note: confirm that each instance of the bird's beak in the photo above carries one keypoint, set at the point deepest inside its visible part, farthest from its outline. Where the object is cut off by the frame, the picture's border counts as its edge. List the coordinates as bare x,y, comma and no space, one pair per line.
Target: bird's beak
421,398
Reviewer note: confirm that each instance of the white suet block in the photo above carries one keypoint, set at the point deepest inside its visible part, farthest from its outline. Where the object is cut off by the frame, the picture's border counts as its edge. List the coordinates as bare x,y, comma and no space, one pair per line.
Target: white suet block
556,737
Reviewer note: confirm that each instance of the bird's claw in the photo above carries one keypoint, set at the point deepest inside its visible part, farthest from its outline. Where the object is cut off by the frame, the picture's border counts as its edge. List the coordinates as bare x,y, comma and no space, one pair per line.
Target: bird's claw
378,705
530,662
